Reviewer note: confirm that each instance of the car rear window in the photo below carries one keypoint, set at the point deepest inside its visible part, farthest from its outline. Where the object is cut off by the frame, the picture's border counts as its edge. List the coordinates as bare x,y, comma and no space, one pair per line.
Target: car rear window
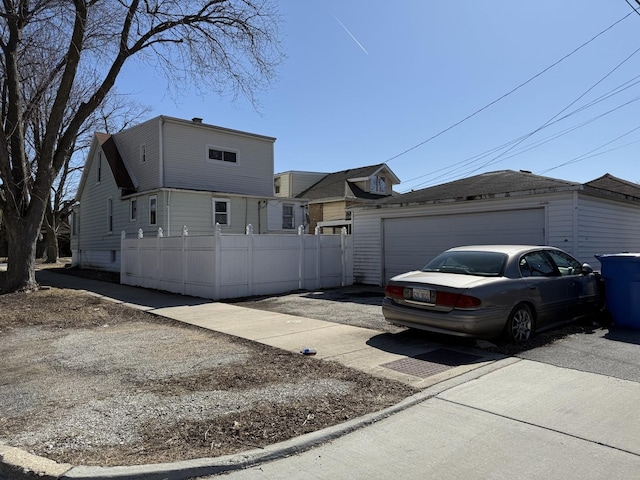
484,264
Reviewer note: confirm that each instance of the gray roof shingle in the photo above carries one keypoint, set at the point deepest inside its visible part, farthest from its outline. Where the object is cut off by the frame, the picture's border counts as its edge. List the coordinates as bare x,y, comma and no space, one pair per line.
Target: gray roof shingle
337,185
484,185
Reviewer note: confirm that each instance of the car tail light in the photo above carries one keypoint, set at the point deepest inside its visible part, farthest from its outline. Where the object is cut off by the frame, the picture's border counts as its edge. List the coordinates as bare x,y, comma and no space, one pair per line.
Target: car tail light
456,300
393,291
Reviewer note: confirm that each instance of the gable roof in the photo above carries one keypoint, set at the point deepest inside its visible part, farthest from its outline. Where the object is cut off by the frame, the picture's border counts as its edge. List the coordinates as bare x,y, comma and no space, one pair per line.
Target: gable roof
614,184
485,185
342,184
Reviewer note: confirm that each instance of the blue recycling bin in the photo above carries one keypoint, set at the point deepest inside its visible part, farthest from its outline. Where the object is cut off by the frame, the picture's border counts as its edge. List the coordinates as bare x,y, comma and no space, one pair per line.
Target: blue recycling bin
621,273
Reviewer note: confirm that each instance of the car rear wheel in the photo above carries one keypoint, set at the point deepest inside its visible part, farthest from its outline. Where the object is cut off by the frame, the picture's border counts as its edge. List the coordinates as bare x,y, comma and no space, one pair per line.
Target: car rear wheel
519,326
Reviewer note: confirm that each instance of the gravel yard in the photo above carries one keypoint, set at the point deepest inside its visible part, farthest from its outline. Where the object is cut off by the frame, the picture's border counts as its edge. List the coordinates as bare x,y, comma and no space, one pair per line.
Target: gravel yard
86,381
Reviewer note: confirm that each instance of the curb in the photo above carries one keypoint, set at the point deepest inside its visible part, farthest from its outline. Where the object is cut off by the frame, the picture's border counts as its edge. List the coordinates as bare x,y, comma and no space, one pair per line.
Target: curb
22,465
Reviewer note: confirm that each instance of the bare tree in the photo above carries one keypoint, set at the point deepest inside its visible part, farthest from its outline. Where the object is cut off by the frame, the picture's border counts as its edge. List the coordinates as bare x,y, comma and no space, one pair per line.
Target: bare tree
60,59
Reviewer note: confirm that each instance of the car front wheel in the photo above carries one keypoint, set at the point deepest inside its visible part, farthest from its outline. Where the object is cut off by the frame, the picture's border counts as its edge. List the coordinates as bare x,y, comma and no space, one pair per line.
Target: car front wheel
519,326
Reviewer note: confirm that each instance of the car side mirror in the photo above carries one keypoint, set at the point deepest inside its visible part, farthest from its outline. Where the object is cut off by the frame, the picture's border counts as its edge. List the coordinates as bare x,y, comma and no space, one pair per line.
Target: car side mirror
586,269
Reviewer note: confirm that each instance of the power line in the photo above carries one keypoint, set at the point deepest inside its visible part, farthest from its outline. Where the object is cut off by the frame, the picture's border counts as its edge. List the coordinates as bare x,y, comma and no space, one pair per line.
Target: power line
433,137
471,160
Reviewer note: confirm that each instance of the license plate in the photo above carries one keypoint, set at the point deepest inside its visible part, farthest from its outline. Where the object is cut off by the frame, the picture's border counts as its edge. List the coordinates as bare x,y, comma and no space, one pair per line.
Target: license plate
423,295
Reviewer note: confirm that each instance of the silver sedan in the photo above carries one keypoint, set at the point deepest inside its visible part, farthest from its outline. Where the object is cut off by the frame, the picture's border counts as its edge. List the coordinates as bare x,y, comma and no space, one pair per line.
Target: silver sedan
486,291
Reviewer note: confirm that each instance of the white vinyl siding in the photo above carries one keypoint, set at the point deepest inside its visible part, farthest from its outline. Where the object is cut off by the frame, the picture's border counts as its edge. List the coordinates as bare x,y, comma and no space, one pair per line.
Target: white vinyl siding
93,244
605,226
186,165
130,144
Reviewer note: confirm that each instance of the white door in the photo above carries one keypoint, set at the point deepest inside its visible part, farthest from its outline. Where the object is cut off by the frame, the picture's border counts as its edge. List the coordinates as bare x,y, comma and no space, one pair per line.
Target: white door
410,242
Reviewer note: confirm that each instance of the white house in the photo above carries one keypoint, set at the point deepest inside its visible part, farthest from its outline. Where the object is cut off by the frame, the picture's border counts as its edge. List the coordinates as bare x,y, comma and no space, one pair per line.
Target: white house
404,232
167,173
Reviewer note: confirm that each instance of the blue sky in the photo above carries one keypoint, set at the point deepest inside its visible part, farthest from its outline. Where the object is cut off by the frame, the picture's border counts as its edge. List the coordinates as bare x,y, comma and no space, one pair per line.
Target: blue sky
367,82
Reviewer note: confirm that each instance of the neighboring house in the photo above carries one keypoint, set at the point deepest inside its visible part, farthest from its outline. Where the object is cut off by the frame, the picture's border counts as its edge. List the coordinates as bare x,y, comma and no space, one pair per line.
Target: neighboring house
332,195
293,183
168,173
504,207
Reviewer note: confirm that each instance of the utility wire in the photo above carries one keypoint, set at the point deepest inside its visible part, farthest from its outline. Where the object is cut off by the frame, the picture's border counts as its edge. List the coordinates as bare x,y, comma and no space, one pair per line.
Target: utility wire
433,137
471,160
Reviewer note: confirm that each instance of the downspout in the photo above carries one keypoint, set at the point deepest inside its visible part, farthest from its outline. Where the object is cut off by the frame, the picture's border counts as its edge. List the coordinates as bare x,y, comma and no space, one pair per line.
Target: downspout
168,213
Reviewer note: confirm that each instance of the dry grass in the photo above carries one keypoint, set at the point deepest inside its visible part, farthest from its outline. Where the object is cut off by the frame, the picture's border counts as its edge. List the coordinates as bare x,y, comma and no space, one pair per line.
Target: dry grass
33,326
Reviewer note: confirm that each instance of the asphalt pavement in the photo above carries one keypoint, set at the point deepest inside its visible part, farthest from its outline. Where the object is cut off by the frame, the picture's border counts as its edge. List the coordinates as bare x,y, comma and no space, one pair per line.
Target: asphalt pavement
569,410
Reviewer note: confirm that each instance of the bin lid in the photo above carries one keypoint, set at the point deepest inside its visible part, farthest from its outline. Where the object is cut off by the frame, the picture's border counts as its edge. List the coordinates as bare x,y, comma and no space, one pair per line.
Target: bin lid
626,256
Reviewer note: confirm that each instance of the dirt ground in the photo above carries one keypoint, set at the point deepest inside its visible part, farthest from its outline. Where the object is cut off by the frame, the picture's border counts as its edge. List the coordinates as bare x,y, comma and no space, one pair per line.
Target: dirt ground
91,382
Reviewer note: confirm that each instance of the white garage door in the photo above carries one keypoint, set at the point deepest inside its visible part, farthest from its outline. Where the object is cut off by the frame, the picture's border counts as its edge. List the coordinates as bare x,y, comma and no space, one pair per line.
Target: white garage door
409,243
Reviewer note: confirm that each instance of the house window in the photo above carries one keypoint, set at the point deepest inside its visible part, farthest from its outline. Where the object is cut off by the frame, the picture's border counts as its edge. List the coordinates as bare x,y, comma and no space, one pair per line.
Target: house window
220,155
143,153
276,185
221,212
110,215
99,168
287,216
378,184
153,210
133,209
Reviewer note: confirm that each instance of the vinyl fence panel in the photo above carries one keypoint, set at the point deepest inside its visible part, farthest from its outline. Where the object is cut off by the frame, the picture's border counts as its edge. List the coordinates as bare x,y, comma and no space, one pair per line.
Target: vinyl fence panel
234,266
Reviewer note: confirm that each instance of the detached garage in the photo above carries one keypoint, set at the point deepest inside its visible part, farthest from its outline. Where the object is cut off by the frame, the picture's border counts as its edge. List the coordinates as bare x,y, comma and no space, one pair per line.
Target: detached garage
404,232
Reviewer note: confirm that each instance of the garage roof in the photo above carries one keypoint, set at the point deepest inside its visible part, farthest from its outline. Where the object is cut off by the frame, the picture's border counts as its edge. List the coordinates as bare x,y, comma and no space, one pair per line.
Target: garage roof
485,185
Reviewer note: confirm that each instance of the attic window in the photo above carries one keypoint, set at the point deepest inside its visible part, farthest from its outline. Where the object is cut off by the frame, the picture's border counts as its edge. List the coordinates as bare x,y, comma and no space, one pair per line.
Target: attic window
378,184
219,155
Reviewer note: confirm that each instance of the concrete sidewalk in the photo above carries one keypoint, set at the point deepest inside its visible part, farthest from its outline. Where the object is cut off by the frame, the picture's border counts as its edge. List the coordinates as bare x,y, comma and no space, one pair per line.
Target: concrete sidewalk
493,418
370,351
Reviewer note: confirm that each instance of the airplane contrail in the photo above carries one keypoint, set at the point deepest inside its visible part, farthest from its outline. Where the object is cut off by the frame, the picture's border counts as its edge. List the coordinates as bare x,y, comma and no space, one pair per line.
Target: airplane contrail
350,34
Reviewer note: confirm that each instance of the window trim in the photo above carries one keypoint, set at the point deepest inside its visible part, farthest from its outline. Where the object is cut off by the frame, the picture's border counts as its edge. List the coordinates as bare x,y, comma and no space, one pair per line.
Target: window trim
99,168
143,154
215,200
133,214
293,216
223,150
375,184
110,215
153,198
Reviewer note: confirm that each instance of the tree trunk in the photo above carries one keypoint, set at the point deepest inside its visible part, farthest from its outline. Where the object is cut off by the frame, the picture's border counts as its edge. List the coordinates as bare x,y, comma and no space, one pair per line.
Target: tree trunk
21,264
49,223
51,254
23,230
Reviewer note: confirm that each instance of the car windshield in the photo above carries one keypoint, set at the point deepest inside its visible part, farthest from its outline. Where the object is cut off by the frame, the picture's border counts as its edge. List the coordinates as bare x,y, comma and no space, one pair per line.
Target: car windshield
484,264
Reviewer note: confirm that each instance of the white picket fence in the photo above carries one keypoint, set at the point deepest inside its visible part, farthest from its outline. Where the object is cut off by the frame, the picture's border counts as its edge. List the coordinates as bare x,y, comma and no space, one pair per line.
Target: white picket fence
233,266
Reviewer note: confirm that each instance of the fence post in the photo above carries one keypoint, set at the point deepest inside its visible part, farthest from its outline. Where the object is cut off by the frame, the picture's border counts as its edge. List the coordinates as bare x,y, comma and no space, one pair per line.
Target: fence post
185,259
123,235
217,262
318,259
301,255
140,237
159,258
343,252
249,232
